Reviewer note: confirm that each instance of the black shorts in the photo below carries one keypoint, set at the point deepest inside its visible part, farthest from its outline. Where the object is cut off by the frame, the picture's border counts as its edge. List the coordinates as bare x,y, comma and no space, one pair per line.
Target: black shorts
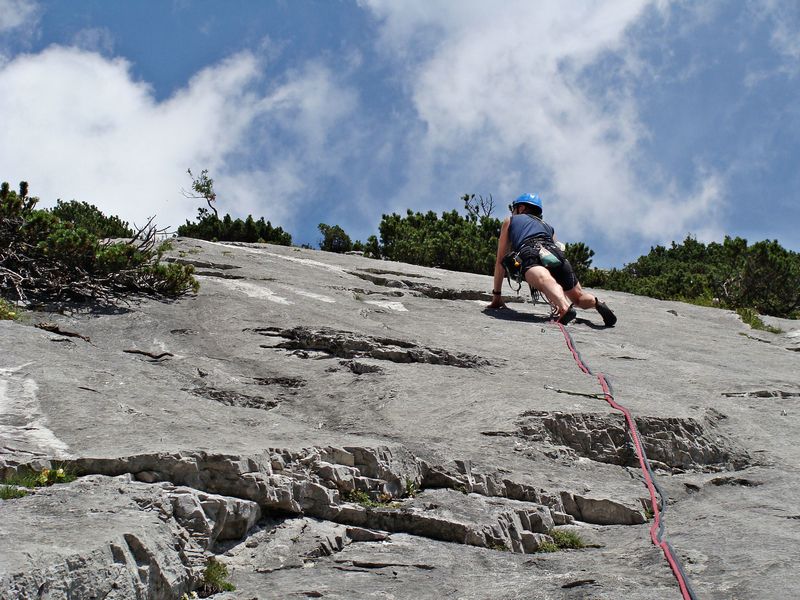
562,273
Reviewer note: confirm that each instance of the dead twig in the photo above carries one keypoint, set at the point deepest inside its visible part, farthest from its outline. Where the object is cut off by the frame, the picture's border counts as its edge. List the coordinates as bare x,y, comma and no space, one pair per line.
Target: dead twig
571,393
152,355
54,328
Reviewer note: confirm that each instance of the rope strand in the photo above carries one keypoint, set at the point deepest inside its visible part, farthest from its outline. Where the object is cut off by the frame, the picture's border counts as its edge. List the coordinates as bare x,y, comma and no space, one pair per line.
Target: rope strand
657,496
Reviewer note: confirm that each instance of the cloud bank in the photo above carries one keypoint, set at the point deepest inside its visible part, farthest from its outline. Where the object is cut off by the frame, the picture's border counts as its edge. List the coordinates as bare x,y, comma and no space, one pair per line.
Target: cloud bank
84,128
606,109
504,93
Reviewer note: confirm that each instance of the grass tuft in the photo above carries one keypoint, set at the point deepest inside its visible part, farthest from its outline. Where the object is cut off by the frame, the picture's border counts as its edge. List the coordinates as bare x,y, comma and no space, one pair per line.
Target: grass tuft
750,317
548,547
30,478
363,498
566,539
498,546
8,312
9,492
215,579
562,540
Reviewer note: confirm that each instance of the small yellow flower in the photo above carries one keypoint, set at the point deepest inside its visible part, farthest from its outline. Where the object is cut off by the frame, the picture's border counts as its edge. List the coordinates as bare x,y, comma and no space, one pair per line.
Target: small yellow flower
60,474
43,476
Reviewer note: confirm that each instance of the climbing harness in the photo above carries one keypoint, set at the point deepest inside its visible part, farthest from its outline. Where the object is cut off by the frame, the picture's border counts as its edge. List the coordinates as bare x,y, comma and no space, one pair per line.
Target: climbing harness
657,495
532,248
512,263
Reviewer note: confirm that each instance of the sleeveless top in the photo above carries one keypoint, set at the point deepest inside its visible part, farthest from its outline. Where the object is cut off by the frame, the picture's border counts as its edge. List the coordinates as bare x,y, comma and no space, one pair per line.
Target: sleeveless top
523,227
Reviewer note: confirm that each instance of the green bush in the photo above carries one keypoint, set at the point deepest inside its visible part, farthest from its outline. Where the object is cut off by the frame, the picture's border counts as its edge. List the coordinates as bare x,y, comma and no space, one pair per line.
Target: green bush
579,256
334,239
45,258
88,217
764,276
210,227
452,242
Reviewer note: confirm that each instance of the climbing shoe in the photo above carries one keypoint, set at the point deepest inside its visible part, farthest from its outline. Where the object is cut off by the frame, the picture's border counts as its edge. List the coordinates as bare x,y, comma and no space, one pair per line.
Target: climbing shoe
568,316
609,318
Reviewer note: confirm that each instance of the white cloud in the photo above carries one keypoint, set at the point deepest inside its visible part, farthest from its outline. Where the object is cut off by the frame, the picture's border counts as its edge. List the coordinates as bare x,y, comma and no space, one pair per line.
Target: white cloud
501,89
16,13
94,39
84,128
785,20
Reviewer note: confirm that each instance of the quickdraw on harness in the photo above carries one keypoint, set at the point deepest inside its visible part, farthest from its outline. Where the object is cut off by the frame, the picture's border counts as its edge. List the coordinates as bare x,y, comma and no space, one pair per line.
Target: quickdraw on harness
513,266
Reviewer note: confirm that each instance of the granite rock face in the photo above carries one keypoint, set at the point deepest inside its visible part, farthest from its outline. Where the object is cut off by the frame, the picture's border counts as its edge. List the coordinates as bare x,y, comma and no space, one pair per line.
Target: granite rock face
339,427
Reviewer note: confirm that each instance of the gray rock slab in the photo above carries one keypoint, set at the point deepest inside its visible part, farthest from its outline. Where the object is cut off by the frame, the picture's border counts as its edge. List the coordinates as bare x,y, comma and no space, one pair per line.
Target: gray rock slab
89,539
293,349
408,567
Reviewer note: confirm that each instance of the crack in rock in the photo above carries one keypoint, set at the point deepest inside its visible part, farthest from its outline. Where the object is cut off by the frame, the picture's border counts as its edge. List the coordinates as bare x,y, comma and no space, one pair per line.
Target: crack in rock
669,442
762,394
738,481
362,564
578,583
318,481
203,502
425,289
286,382
345,344
360,368
363,292
200,264
231,398
218,274
387,272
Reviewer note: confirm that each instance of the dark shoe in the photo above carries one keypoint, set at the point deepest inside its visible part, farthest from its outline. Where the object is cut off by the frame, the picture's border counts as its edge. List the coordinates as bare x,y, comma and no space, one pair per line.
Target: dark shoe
609,318
568,316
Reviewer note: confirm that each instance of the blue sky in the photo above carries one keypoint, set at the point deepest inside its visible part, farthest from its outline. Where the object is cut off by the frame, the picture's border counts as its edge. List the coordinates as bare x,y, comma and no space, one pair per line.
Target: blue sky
637,122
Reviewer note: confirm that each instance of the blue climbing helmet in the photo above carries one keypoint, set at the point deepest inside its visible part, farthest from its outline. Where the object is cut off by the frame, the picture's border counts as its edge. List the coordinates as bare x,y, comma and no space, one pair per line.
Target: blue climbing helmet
532,199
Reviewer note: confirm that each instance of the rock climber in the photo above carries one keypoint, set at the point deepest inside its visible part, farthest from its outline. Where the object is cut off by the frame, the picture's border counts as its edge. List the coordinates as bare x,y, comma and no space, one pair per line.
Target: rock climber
542,262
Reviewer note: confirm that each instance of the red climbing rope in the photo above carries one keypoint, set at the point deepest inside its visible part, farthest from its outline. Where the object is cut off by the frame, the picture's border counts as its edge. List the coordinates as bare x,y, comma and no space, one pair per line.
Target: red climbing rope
657,529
